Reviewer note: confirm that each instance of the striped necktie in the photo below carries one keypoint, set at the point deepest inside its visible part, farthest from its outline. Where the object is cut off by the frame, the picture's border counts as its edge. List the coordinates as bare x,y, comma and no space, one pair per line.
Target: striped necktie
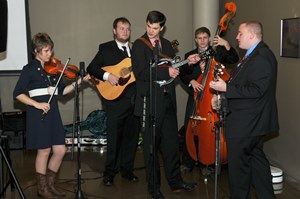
242,60
235,71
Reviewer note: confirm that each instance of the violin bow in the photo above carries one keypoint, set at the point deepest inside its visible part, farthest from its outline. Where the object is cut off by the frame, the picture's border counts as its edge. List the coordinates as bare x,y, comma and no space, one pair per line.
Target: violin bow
56,85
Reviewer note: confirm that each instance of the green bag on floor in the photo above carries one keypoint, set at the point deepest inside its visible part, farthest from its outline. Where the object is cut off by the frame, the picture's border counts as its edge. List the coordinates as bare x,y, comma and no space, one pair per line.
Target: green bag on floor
95,123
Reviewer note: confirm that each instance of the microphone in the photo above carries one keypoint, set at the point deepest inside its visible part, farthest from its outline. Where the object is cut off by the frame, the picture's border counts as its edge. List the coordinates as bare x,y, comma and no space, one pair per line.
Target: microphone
81,69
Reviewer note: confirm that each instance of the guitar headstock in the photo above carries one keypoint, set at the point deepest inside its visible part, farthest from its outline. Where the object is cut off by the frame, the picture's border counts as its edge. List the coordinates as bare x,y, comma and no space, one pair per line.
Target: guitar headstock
174,44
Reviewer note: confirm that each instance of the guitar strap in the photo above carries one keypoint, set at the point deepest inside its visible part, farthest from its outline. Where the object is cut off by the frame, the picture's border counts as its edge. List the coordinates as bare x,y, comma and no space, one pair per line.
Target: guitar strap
151,47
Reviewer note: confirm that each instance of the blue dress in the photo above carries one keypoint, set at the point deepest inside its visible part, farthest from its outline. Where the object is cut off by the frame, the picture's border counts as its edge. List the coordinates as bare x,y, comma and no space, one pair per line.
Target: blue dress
40,133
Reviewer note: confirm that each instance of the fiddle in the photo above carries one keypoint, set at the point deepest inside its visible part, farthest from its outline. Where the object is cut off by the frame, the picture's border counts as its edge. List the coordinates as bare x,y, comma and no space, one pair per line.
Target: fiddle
55,67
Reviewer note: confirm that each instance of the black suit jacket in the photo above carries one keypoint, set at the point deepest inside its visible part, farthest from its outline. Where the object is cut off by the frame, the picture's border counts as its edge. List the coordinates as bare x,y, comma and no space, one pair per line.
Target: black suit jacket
251,95
108,55
142,56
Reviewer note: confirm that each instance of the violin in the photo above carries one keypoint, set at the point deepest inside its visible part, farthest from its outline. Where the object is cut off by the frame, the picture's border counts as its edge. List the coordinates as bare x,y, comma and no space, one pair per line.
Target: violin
55,67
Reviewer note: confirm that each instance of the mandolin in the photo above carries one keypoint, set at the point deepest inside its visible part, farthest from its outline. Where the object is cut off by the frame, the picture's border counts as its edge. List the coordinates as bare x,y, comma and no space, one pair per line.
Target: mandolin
176,63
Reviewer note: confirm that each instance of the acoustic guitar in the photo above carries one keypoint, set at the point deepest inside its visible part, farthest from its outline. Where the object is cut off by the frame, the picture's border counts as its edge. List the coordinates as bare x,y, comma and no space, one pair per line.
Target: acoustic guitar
123,70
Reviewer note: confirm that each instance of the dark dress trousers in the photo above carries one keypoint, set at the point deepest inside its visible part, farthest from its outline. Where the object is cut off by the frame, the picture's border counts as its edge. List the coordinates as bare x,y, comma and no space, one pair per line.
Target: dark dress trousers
122,126
251,94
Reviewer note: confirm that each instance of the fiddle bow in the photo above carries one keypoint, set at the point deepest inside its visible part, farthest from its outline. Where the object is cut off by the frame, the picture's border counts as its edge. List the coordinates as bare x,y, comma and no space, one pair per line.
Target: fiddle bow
56,85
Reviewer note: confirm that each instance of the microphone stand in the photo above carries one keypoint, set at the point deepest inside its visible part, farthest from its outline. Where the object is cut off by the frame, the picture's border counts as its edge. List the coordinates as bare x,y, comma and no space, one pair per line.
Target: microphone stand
11,171
76,128
152,118
222,111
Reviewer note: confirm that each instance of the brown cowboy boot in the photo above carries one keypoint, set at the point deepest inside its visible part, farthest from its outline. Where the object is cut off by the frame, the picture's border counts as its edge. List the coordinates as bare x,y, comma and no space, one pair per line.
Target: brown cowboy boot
42,188
50,180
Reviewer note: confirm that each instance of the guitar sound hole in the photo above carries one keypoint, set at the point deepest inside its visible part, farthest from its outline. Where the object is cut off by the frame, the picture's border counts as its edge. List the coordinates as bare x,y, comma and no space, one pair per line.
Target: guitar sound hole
123,81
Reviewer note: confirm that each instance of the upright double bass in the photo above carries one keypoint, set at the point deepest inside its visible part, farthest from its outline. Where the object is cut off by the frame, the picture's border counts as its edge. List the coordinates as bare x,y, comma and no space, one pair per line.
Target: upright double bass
200,132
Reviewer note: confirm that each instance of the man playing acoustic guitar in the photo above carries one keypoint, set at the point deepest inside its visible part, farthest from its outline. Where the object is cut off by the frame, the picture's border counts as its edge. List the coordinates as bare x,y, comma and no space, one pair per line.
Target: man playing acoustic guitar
122,126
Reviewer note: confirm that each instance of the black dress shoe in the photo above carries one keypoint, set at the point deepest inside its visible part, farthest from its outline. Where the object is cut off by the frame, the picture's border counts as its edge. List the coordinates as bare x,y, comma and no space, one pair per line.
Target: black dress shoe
157,195
130,177
183,187
108,180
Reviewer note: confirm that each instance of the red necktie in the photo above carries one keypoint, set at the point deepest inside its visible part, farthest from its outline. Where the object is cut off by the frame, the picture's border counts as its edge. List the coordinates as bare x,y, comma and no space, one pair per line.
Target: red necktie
235,71
242,60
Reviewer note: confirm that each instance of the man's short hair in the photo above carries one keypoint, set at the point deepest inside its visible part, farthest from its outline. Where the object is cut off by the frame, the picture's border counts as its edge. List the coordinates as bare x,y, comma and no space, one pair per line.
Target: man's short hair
156,17
120,19
202,30
256,27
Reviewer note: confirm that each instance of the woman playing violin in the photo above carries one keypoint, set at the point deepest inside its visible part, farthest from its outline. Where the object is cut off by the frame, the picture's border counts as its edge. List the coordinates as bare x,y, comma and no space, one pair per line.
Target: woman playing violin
34,88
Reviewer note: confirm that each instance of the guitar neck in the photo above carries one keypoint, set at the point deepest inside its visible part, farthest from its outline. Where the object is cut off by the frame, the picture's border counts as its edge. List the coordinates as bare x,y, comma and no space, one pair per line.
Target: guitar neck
181,63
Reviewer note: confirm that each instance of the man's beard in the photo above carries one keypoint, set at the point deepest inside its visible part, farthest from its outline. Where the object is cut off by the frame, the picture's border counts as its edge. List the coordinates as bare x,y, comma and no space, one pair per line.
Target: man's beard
122,40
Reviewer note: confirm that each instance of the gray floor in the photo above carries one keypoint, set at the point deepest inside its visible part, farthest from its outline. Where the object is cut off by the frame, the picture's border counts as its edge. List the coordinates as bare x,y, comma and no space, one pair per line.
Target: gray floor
92,161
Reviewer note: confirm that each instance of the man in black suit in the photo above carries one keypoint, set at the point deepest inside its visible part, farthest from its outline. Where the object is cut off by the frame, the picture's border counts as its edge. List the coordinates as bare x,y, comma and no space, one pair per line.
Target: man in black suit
162,120
251,95
189,74
122,126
